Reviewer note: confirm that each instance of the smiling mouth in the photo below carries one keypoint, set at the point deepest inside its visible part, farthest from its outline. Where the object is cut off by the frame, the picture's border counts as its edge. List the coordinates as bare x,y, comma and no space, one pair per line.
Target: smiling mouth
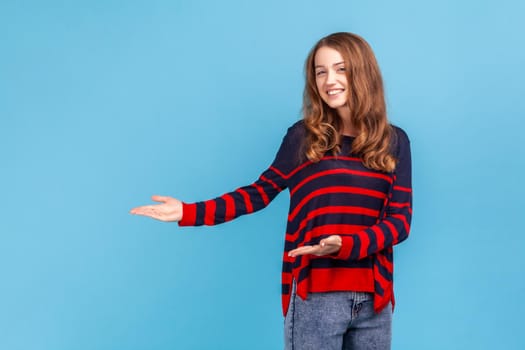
334,92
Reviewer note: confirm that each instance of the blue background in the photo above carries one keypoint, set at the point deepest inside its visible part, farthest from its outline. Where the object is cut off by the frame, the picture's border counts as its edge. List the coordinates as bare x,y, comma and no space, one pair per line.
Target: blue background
104,103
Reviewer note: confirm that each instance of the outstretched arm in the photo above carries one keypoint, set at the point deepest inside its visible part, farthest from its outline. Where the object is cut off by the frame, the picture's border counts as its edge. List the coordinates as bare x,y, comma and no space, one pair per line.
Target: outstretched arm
244,200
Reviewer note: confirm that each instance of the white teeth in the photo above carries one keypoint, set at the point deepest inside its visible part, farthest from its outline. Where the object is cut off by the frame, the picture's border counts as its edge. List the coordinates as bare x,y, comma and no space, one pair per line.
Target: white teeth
334,92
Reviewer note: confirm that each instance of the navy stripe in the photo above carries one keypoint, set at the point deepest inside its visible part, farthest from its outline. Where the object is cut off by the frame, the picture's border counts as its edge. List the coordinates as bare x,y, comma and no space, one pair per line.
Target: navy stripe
287,266
240,207
303,274
323,263
201,210
372,246
289,246
389,255
220,210
356,247
378,289
269,190
384,272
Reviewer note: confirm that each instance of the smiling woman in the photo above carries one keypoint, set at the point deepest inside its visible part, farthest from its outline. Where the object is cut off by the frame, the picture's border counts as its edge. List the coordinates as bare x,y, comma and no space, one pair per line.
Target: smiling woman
342,71
349,176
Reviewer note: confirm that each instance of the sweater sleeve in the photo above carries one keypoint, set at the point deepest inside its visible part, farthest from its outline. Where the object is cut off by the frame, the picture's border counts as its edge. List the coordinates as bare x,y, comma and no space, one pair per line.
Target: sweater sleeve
250,198
394,227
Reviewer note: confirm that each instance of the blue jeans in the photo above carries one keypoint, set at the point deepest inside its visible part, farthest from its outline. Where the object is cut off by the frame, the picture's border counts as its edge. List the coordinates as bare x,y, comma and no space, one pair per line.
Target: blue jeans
337,321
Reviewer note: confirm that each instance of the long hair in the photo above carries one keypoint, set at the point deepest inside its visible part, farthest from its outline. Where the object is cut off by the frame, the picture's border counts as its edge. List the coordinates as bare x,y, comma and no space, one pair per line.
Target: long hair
366,102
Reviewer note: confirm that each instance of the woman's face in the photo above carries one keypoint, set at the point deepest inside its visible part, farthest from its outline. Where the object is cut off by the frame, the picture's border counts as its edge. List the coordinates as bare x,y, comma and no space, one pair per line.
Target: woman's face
330,77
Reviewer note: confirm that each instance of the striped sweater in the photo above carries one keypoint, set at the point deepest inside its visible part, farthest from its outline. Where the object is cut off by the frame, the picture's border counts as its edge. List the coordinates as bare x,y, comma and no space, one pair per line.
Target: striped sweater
369,209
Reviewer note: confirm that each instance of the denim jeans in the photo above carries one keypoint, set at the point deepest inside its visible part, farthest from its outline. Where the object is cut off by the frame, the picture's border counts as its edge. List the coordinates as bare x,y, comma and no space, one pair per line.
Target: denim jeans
337,321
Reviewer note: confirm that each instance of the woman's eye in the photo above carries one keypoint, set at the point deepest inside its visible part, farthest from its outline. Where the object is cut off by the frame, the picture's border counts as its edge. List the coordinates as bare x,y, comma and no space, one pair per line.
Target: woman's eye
320,72
341,69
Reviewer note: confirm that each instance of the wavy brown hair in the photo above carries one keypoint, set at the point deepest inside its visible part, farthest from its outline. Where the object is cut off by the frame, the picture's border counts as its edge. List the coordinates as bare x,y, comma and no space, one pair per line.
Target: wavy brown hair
366,102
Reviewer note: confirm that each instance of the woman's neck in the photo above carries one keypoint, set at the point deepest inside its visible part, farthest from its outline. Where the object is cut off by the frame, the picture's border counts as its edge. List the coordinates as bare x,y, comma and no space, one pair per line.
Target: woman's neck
348,127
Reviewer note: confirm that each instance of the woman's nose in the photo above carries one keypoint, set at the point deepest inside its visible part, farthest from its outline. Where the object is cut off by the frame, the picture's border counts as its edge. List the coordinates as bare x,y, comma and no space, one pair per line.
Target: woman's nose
330,77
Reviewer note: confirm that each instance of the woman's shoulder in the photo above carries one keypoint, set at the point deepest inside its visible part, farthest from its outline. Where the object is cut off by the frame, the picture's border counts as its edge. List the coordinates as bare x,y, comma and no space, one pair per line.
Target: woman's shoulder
400,133
289,155
298,126
400,140
297,130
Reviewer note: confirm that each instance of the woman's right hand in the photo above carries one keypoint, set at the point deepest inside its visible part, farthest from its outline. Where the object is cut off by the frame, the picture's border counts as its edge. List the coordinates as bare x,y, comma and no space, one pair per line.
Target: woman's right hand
170,209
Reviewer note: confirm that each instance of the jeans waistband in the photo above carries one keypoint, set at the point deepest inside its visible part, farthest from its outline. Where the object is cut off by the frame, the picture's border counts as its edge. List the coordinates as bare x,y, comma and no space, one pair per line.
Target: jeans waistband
358,297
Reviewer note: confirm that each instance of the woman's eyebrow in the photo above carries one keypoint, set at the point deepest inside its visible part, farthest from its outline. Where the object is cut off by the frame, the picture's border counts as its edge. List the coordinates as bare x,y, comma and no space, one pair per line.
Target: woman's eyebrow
335,64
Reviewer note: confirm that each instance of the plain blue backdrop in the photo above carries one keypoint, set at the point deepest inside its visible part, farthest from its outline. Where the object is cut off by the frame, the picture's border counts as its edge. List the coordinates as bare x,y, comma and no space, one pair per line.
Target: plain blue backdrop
104,103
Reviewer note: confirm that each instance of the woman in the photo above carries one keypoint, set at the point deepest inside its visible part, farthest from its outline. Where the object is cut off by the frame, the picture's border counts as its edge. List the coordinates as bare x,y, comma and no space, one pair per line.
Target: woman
349,176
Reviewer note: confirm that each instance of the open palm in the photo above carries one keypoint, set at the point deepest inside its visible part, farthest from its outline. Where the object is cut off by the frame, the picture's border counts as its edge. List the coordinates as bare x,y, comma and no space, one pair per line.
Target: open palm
329,245
169,209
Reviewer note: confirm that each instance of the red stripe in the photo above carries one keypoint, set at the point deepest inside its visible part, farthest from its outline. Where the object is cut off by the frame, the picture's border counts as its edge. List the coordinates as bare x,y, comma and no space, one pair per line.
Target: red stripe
403,189
341,171
230,207
247,200
278,172
365,243
305,164
300,167
189,214
330,210
346,247
209,215
334,189
286,277
287,258
302,289
262,193
400,205
274,185
341,279
285,300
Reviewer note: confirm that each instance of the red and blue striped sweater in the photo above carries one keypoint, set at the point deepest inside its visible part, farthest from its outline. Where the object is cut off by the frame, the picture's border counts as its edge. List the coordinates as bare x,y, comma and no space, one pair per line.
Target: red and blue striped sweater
369,209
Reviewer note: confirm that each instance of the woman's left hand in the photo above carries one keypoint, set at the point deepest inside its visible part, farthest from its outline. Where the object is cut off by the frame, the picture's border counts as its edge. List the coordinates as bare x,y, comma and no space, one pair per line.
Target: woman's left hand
326,246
